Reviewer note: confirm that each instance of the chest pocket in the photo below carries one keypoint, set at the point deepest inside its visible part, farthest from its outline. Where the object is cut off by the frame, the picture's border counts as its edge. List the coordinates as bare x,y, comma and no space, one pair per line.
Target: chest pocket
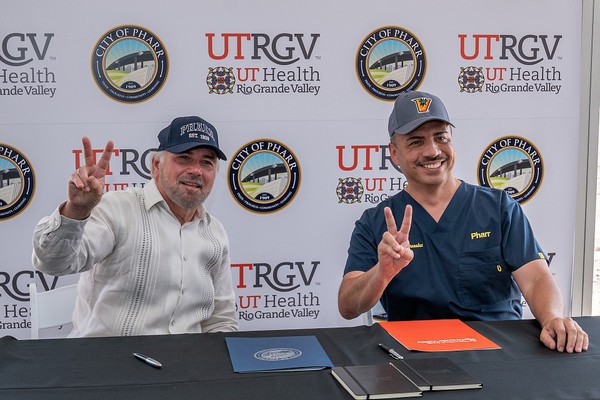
483,278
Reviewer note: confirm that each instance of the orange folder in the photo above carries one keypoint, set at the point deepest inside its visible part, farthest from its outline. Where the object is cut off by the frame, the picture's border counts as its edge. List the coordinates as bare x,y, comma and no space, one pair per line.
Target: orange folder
437,335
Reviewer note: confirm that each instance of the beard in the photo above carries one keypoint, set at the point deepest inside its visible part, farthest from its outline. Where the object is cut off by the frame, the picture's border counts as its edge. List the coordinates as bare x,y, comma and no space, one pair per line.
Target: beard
180,194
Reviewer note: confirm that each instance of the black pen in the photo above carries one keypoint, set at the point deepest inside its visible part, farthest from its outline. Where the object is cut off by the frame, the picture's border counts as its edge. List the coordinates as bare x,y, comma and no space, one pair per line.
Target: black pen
148,360
393,353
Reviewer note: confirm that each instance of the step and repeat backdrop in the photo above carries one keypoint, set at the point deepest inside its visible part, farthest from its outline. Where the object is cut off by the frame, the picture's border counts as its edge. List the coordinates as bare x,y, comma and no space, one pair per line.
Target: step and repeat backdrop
300,93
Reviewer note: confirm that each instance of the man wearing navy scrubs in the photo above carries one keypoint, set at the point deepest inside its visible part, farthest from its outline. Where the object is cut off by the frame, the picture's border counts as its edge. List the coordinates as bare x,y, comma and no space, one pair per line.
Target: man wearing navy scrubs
462,251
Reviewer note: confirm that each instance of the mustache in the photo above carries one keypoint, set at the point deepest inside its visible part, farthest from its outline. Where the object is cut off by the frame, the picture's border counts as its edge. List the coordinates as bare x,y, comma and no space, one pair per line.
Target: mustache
432,159
192,180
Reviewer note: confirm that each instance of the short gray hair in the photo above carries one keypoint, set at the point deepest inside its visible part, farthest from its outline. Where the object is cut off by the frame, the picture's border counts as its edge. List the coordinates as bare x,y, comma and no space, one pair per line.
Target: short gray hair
160,156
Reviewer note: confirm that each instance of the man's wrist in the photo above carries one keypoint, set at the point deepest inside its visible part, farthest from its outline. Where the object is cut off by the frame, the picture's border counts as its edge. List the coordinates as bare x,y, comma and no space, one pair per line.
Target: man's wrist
67,209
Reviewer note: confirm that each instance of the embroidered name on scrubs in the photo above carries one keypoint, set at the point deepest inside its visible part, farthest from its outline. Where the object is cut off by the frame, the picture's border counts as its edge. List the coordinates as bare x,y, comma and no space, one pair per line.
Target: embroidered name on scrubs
480,235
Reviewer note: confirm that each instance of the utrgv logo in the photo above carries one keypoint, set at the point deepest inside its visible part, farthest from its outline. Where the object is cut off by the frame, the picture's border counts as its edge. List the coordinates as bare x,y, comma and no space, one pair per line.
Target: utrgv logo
284,277
17,48
281,49
526,50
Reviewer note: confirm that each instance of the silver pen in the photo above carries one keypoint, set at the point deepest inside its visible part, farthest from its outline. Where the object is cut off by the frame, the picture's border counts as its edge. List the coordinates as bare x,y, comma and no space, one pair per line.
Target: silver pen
148,360
393,353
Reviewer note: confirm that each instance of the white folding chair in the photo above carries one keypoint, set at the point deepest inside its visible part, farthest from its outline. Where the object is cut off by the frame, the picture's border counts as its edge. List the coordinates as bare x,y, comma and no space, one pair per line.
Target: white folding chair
52,308
372,316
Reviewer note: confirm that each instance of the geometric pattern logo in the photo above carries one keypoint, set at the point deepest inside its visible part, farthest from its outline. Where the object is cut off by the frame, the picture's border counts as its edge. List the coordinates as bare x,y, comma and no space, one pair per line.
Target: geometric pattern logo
220,80
471,79
349,190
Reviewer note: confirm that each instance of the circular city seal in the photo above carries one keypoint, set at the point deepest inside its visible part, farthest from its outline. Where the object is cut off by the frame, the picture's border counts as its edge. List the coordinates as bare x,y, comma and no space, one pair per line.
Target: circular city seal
264,176
277,354
130,64
17,182
390,60
512,164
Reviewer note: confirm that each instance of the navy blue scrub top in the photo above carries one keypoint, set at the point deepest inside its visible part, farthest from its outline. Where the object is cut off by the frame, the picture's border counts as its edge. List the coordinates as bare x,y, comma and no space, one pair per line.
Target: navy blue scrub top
463,264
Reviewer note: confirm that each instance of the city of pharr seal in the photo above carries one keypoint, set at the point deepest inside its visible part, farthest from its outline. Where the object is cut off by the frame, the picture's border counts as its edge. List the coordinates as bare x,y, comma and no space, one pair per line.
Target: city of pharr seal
17,182
513,164
130,64
264,176
390,60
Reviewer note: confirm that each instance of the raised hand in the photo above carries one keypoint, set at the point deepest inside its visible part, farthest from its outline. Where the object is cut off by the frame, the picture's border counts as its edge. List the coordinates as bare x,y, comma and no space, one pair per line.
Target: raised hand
86,184
394,252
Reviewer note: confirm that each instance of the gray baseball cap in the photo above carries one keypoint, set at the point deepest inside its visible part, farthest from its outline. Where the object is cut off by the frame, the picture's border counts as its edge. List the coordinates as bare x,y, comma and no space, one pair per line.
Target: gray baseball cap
413,109
186,133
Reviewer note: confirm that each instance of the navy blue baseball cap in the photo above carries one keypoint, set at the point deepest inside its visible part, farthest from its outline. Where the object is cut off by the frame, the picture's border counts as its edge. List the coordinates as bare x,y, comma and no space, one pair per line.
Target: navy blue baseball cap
412,109
186,133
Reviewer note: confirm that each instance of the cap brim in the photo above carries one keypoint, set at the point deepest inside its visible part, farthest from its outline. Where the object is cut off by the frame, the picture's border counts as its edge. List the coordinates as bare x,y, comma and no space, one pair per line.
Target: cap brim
182,148
414,124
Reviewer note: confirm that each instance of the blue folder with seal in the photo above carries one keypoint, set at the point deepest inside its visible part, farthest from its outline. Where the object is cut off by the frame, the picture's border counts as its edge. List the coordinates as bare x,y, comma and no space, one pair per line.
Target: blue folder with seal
277,354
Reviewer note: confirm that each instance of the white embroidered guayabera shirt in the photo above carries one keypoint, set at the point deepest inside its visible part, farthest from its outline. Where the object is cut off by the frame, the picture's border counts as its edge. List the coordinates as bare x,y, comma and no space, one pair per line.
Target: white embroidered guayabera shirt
142,272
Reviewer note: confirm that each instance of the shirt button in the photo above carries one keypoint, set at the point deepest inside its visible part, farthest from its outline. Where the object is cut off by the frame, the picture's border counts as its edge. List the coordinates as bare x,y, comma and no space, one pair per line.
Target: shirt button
184,258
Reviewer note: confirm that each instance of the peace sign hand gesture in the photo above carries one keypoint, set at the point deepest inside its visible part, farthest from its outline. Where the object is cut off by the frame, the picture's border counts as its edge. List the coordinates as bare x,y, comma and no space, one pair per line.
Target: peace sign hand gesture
394,252
86,184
